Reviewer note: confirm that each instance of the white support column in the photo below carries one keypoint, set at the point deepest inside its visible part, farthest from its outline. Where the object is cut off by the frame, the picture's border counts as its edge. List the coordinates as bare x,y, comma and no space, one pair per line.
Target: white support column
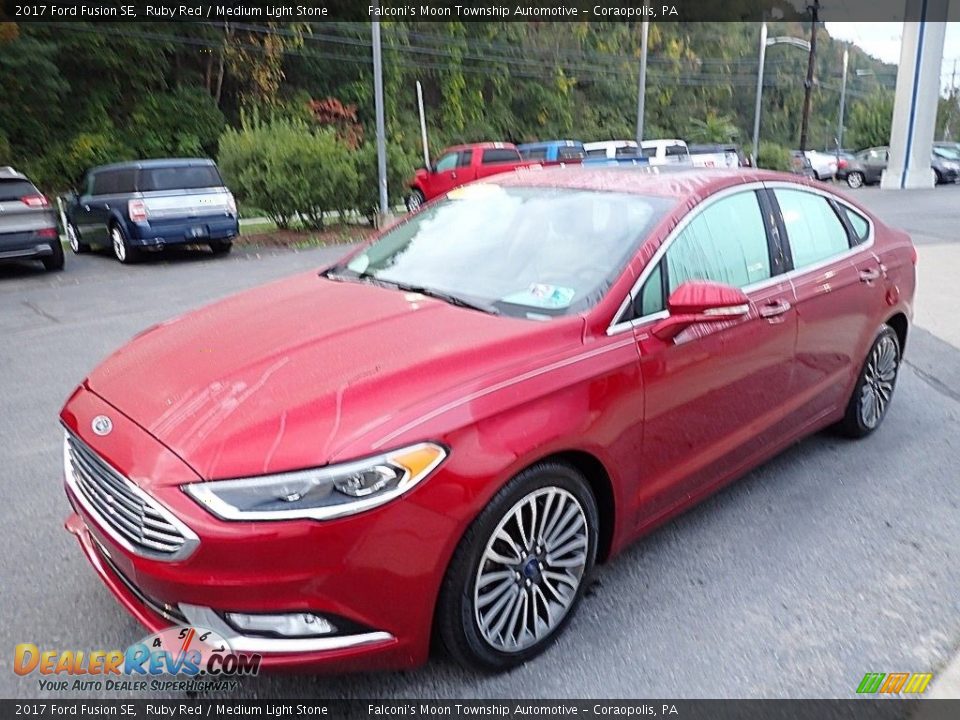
915,103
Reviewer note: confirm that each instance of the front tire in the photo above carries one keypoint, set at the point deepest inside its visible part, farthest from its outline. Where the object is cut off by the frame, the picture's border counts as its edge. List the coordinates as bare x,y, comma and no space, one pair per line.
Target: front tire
415,201
122,249
855,180
73,237
875,385
520,570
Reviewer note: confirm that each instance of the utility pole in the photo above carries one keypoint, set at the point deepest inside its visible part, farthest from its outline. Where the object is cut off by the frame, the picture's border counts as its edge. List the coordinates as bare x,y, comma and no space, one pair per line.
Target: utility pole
381,123
423,126
843,101
808,84
755,151
642,90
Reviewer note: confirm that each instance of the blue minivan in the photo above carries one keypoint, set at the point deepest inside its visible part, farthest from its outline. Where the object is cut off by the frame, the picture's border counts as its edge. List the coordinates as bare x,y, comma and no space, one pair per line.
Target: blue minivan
149,204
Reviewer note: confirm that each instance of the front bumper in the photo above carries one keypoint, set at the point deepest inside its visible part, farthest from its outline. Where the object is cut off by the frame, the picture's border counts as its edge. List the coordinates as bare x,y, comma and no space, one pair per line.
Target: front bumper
376,574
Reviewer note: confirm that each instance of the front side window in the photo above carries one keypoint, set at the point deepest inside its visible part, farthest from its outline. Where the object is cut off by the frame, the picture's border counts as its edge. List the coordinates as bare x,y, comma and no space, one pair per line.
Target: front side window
447,162
524,251
569,153
597,152
534,154
813,228
726,243
651,294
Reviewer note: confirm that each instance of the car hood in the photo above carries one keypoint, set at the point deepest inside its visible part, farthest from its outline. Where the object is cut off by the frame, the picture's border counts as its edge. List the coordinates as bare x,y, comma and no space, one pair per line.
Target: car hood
284,376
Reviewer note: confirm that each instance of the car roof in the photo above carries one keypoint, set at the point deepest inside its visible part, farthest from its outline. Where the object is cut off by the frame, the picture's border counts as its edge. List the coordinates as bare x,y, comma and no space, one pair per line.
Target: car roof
154,163
8,173
481,146
548,143
681,183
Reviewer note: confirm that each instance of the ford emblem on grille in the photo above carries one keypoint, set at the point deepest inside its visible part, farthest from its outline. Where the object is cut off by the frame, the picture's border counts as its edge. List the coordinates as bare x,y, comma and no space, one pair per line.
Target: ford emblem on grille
101,425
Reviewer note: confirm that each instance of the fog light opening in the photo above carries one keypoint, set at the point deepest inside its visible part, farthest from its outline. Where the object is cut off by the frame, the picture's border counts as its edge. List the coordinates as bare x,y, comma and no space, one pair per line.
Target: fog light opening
287,625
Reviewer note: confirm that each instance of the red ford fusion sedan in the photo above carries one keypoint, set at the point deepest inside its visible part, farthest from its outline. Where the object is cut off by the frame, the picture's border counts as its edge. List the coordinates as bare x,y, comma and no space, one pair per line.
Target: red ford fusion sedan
440,435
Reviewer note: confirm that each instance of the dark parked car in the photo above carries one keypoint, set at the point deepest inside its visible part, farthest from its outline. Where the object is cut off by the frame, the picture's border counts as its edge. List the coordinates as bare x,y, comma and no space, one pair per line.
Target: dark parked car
867,166
151,204
28,225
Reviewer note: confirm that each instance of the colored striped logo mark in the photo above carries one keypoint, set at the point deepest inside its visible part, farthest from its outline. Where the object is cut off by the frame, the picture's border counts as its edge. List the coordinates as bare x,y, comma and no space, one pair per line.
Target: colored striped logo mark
893,683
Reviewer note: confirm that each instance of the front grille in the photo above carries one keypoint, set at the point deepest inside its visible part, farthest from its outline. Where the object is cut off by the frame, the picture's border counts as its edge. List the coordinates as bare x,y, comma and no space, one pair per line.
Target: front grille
133,517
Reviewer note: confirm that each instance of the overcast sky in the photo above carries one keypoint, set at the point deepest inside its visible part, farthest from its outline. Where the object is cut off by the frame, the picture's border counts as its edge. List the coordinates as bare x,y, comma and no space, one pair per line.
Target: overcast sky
882,40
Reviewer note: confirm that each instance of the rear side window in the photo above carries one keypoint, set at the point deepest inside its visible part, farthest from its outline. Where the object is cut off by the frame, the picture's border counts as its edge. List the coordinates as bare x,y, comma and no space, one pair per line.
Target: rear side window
185,177
813,228
726,243
15,189
114,182
499,155
858,223
676,151
569,153
626,152
534,154
597,152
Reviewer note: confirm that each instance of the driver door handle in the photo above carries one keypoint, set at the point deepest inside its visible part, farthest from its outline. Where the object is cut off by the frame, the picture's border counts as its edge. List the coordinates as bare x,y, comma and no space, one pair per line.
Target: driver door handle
774,308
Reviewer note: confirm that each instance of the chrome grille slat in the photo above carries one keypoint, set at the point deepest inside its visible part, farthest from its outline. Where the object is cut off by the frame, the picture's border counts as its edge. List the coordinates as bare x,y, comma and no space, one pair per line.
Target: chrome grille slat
132,516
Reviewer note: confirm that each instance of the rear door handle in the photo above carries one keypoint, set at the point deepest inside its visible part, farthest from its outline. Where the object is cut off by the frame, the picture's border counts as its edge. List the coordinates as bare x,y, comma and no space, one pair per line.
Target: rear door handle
871,274
774,308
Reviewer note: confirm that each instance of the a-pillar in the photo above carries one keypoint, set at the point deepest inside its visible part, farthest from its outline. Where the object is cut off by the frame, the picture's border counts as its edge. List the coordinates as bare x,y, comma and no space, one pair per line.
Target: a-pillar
917,96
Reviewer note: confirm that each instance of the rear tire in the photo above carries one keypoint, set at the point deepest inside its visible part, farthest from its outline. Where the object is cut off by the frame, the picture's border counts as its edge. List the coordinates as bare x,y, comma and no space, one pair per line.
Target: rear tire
221,247
875,385
54,262
122,249
73,237
855,180
520,570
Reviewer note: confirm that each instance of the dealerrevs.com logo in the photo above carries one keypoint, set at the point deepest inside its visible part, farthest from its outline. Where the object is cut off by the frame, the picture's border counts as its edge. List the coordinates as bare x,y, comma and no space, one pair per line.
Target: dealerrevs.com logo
180,658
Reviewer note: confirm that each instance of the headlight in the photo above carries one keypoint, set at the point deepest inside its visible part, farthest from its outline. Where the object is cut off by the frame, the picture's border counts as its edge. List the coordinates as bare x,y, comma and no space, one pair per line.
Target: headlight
323,493
952,166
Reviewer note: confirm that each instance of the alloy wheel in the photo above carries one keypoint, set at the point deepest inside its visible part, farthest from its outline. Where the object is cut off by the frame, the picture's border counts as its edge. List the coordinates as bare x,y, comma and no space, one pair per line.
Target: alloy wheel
531,569
119,246
855,180
72,238
879,377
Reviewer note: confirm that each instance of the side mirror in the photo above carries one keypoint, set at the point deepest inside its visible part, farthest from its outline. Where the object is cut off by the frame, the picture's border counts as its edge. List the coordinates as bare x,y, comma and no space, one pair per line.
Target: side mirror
700,301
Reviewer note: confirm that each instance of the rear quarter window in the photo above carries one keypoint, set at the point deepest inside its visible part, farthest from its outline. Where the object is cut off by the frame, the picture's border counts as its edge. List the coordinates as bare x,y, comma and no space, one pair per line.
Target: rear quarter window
858,224
534,154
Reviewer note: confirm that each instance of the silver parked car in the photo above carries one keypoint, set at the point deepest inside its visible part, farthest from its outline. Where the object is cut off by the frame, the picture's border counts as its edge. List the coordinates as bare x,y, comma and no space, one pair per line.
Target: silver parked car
28,224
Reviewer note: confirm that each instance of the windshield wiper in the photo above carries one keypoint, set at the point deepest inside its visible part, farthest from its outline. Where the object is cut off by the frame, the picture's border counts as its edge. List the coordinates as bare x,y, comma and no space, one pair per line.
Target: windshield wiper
452,298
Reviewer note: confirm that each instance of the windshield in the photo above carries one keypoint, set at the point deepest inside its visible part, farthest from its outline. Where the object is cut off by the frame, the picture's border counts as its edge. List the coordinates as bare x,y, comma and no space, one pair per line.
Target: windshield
946,153
527,252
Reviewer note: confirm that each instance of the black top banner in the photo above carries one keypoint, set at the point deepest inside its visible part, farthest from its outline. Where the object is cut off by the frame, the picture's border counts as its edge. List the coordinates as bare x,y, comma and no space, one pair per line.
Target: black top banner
474,10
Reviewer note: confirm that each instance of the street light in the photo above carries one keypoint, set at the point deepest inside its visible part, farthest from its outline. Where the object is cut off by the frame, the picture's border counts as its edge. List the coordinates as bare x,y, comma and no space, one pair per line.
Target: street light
764,43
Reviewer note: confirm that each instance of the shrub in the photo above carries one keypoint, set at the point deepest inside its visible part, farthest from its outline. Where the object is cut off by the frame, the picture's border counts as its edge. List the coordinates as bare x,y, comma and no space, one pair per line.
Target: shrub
774,157
289,170
400,166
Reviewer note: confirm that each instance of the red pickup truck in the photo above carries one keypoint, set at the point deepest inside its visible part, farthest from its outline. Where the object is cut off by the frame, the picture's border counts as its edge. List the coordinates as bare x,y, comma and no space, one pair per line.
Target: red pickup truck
461,164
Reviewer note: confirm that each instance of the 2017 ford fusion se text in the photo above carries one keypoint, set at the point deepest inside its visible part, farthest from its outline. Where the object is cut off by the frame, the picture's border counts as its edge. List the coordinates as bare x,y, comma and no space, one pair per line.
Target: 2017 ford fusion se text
439,436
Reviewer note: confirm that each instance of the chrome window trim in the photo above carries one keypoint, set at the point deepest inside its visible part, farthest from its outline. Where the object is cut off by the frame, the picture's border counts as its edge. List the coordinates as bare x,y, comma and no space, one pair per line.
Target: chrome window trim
617,326
208,618
190,542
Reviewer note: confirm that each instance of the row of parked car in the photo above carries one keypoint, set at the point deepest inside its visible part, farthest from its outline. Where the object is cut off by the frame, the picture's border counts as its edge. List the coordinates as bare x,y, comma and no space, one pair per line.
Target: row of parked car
461,164
866,167
131,207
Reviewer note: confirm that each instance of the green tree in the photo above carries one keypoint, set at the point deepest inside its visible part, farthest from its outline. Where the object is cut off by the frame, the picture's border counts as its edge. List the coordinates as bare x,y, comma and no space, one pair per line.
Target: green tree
871,119
183,122
712,129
